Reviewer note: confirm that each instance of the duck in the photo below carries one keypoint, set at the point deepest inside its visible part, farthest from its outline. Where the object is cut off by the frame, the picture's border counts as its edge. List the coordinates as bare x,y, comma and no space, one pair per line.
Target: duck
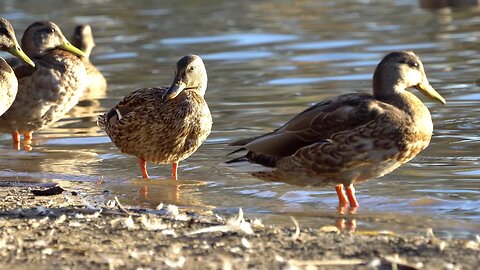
82,38
50,89
351,138
163,125
8,81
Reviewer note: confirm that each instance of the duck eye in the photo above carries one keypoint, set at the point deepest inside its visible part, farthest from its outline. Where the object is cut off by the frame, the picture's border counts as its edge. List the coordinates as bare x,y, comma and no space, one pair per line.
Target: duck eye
48,30
410,63
413,64
191,69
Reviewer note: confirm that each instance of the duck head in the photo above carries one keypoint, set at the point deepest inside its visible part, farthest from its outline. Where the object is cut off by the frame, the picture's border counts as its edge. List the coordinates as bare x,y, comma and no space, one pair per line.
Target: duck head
8,42
43,36
83,38
400,70
190,74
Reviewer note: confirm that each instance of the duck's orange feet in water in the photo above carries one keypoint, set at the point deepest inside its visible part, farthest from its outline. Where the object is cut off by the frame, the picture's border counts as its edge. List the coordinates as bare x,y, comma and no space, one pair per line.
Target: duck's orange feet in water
143,167
27,136
174,170
27,140
345,199
16,140
351,196
342,198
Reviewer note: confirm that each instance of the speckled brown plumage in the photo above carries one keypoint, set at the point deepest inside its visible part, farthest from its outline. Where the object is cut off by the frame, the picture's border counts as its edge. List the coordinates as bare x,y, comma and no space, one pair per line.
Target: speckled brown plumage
163,125
49,90
8,81
350,138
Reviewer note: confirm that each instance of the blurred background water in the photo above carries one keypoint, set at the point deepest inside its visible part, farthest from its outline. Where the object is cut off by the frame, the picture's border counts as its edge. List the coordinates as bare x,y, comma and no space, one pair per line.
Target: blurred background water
266,62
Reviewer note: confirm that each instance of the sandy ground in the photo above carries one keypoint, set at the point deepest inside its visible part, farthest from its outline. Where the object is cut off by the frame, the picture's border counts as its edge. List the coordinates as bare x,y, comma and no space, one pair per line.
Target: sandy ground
76,231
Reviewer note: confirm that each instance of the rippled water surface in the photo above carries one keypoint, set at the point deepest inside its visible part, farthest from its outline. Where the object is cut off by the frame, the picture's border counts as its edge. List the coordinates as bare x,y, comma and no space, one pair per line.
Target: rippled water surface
267,62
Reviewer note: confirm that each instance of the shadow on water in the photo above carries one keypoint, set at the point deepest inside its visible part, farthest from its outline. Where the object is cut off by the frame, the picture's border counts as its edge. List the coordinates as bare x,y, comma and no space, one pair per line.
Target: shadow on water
267,62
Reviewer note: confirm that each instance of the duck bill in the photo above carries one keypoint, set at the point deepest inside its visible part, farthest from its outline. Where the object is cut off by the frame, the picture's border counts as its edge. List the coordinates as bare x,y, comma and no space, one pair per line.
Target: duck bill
18,52
174,90
428,91
67,46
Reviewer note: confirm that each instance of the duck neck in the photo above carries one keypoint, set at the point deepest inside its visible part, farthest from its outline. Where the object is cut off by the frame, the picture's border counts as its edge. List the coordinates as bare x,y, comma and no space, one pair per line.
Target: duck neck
386,86
394,93
202,88
87,50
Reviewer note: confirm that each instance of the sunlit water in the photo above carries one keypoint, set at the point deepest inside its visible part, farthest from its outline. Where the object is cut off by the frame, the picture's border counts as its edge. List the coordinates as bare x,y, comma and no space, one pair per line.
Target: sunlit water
267,62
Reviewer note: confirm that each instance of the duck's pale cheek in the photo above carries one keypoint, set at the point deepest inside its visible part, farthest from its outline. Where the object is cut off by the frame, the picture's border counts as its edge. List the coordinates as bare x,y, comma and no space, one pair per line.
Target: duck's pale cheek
413,77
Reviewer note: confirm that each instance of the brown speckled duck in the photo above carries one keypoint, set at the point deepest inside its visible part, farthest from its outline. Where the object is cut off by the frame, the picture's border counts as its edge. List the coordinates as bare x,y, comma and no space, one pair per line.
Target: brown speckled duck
351,138
163,125
50,89
83,39
8,81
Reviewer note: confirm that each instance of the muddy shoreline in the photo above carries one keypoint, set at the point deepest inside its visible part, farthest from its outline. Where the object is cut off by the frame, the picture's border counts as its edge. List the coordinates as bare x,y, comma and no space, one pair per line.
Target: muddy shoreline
73,230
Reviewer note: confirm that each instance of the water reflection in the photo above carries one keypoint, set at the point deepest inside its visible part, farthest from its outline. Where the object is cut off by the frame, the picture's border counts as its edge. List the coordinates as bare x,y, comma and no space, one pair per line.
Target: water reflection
266,62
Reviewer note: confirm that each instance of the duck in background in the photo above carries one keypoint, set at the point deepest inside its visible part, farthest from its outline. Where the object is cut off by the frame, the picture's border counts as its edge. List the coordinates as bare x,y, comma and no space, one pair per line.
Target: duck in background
82,38
348,139
50,89
8,81
163,125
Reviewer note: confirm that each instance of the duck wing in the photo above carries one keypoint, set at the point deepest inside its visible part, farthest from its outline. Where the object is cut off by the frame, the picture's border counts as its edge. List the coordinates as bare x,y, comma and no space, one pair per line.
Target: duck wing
138,99
315,125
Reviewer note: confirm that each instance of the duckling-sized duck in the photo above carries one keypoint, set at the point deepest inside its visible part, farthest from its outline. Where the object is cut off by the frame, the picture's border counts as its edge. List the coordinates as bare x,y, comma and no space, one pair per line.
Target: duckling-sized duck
351,138
163,125
8,81
50,89
83,39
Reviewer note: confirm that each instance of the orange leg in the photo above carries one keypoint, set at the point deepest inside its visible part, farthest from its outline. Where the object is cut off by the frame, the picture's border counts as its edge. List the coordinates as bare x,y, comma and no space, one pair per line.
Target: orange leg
174,170
351,196
27,140
15,136
27,136
143,167
342,198
16,140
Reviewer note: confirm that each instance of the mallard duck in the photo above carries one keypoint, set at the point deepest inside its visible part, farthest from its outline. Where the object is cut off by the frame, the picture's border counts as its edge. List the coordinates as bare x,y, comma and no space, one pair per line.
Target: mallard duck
163,125
48,90
8,81
82,38
351,138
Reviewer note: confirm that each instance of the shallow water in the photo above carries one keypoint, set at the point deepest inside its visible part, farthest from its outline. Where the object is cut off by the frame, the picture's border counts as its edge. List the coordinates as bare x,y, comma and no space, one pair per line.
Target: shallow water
267,62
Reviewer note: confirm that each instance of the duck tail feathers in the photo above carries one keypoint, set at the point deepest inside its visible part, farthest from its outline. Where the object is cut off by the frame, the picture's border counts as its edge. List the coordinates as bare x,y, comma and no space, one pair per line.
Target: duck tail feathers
242,164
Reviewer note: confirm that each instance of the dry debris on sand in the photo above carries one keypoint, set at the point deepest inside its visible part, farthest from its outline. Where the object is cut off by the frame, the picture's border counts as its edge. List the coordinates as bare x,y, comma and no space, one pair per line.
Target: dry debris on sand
66,232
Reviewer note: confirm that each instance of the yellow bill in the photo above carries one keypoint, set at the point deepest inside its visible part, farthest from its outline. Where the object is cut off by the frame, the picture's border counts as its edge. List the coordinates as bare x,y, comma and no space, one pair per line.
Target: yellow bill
428,90
18,52
67,46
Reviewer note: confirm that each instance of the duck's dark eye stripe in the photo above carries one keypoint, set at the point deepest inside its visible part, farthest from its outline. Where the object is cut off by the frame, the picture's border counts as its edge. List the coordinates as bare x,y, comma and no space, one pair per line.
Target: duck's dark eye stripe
411,63
47,30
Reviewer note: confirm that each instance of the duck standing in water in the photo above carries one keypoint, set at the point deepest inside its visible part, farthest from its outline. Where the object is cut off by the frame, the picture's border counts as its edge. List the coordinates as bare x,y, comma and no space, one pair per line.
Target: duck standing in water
163,125
351,138
83,39
8,81
50,89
